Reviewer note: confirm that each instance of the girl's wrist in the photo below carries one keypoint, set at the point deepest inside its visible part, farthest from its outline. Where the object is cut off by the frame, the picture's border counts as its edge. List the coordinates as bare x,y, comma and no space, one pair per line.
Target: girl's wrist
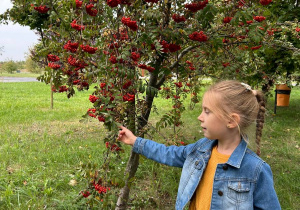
133,141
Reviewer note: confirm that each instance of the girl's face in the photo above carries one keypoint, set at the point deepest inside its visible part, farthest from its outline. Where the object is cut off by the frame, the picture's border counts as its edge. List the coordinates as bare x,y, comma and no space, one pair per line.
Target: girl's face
213,126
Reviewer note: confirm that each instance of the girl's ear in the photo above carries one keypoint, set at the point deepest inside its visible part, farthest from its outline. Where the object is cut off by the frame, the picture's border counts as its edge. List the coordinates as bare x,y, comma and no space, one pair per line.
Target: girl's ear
234,120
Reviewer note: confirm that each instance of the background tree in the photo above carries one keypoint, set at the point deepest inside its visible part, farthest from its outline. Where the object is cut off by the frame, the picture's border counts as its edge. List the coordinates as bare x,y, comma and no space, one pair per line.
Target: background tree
282,63
32,66
9,66
178,43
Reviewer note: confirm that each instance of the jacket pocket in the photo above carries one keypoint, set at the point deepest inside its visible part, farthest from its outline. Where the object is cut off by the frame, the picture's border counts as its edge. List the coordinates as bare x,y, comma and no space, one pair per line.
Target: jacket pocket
239,191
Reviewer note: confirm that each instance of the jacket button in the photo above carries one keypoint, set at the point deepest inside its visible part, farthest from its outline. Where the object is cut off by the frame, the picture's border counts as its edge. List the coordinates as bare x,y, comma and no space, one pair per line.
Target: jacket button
197,162
220,193
225,167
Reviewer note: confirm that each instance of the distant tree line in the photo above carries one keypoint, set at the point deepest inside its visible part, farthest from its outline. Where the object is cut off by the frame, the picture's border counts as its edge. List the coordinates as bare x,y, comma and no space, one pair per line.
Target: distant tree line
11,66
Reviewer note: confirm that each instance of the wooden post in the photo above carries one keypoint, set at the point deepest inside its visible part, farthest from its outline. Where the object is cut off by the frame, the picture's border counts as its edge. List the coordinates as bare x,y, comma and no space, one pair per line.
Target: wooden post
51,96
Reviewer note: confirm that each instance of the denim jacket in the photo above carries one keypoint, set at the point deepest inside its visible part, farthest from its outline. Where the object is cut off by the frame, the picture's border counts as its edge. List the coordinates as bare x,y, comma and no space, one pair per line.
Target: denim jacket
245,182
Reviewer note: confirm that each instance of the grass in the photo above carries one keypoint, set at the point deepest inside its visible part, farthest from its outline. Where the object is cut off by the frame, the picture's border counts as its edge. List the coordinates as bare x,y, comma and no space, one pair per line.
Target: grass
22,74
41,150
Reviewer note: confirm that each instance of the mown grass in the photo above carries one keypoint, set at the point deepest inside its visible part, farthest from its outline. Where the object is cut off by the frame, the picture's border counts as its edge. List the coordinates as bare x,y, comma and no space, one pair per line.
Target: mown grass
21,74
41,150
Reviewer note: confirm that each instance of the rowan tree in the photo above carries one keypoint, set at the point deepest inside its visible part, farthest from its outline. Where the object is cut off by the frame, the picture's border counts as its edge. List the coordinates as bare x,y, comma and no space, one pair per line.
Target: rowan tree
133,51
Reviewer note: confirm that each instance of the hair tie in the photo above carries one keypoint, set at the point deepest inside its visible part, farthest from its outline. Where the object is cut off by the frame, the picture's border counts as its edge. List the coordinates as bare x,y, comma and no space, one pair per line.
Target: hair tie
248,87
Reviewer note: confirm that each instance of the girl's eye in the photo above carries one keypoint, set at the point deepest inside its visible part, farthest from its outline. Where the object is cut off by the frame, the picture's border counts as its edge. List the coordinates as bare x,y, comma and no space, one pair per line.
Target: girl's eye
206,111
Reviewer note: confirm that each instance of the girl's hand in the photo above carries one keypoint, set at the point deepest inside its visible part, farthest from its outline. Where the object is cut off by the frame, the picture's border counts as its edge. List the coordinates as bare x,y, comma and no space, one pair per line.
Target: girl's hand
126,136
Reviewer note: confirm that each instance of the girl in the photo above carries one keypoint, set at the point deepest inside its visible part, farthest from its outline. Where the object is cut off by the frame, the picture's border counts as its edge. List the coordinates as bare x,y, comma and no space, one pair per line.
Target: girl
219,171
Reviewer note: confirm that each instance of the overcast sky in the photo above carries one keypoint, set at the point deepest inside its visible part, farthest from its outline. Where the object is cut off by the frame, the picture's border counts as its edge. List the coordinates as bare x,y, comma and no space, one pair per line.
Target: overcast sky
15,40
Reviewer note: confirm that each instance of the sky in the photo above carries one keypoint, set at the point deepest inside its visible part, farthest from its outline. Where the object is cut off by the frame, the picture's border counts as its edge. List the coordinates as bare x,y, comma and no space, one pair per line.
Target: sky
15,40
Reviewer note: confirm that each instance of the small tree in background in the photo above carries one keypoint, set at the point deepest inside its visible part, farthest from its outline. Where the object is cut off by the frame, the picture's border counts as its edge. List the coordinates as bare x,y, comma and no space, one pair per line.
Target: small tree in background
32,66
9,66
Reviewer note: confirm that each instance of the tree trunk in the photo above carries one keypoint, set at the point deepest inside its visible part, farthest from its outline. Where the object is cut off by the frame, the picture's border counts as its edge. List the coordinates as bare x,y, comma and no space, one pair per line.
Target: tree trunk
133,162
51,96
131,169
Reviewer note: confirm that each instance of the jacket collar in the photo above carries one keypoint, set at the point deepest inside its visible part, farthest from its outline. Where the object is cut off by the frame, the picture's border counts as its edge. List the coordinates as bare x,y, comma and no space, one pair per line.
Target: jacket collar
238,154
235,158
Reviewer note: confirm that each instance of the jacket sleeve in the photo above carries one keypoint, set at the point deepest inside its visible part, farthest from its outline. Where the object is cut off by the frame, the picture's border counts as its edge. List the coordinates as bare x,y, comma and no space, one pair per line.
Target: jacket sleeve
168,155
264,194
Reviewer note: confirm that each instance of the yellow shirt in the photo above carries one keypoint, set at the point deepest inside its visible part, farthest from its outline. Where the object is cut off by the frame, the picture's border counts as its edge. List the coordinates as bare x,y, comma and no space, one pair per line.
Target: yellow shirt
202,197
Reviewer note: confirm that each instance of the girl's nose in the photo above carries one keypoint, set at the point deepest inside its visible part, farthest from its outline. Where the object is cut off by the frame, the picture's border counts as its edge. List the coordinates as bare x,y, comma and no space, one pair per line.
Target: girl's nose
200,118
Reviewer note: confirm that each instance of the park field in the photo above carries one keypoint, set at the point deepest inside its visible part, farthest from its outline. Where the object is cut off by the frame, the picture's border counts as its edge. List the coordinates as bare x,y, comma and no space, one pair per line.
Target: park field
42,149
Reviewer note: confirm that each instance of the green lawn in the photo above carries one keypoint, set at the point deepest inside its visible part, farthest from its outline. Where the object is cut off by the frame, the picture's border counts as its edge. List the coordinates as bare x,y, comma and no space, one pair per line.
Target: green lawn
22,74
41,150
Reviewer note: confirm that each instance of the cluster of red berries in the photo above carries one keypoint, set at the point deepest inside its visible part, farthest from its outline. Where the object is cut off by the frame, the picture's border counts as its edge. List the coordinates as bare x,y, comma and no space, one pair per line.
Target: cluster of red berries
62,88
113,147
198,36
92,115
113,59
52,57
225,64
259,18
135,56
72,73
78,3
89,9
121,35
101,189
128,97
227,19
127,84
166,47
105,90
297,29
130,23
178,84
241,3
91,112
76,81
191,66
113,3
256,47
80,64
54,65
101,118
225,41
93,98
144,66
265,2
88,49
196,6
71,46
174,47
42,9
85,193
77,26
113,45
102,85
178,18
176,97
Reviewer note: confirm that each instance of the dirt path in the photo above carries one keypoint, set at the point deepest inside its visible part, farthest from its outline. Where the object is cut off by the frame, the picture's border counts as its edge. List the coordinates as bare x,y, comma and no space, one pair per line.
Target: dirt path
18,79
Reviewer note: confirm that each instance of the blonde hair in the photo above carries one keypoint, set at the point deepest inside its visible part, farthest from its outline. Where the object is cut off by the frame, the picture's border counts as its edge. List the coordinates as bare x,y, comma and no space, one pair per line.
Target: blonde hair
230,96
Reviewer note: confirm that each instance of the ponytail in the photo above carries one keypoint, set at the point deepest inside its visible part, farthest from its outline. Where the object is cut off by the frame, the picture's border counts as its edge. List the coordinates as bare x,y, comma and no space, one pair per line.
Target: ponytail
260,119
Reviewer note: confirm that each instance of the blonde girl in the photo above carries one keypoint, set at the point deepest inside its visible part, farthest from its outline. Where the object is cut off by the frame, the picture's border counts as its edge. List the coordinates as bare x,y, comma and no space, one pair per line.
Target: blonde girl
219,171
